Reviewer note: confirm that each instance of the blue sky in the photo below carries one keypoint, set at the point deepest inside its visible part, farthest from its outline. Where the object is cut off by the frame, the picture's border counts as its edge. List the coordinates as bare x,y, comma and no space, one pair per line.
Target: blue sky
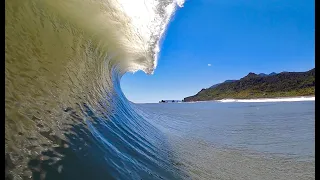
236,37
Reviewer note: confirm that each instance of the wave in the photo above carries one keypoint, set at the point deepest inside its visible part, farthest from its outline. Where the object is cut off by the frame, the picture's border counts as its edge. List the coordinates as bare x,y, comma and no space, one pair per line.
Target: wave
65,114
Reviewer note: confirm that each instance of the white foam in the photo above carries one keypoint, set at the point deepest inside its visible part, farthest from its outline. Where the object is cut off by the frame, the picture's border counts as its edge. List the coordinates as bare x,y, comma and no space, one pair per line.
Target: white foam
289,99
149,19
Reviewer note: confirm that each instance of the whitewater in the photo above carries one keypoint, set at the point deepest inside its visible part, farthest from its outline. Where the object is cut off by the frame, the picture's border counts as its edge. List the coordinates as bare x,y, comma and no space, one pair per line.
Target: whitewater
66,116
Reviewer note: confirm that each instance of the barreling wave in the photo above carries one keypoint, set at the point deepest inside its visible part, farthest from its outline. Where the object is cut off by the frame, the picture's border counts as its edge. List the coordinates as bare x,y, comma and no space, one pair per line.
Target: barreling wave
65,114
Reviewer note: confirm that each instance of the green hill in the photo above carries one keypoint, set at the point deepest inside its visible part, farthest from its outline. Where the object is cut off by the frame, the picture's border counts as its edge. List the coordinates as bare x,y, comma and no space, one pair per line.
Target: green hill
285,84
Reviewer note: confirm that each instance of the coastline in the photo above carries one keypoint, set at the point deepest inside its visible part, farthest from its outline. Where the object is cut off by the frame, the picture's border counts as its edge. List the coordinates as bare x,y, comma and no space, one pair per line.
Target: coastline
277,99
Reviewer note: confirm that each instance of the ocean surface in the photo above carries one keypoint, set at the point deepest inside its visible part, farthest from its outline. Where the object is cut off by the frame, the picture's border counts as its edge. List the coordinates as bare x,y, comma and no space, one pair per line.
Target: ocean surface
236,140
67,118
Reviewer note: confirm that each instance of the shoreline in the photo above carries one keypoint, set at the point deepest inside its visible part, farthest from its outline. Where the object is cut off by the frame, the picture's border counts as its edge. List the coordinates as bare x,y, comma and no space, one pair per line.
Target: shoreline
276,99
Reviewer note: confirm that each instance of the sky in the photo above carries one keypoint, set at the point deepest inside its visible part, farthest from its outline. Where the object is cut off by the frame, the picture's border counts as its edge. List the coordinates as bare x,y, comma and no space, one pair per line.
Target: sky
210,41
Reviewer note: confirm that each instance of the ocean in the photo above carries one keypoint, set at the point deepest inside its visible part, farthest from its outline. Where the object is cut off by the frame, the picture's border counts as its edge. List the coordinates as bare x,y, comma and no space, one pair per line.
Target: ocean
236,140
67,118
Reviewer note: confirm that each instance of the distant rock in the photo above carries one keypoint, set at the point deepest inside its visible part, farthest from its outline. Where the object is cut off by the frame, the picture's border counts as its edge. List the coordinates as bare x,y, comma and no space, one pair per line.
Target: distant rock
170,101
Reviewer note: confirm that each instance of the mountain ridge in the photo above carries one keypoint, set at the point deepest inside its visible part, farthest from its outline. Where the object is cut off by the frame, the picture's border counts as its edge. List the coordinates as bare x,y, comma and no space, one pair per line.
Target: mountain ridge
284,84
260,74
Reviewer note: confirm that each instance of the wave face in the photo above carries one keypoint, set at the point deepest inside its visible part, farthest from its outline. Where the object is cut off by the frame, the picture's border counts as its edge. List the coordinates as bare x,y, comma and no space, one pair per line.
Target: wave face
65,114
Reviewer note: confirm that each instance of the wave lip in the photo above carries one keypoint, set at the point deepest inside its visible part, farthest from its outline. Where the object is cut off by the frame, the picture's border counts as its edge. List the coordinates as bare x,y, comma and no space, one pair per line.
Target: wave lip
289,99
147,23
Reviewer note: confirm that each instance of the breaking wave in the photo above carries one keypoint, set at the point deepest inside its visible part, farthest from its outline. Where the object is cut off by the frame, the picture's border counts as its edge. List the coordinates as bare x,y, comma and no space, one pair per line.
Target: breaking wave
65,114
